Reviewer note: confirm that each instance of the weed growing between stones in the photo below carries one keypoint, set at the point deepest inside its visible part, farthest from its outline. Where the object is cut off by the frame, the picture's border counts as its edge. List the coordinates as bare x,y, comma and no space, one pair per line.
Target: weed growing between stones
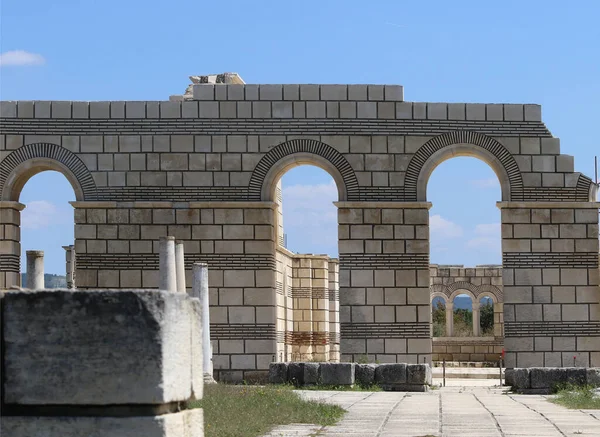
576,397
251,411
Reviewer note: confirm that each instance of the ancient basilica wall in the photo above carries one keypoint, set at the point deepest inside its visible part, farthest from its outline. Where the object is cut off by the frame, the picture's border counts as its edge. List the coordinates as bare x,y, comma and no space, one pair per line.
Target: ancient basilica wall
205,170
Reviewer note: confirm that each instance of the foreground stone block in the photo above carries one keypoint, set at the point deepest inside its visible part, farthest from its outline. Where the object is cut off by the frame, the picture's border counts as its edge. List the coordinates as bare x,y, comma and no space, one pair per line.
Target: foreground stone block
296,373
390,375
96,347
278,373
364,374
418,374
337,373
189,423
577,375
311,373
547,378
521,379
593,377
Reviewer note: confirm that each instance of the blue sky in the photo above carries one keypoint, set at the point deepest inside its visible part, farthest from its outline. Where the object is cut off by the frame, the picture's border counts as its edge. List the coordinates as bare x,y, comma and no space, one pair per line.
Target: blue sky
462,51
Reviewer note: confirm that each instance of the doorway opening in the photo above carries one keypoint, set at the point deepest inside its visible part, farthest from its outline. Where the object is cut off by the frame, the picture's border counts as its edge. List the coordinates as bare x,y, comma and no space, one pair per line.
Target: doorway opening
47,224
307,265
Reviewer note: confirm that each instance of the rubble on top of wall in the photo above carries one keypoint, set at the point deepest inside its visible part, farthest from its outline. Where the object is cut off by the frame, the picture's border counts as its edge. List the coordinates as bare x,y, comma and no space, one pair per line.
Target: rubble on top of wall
209,79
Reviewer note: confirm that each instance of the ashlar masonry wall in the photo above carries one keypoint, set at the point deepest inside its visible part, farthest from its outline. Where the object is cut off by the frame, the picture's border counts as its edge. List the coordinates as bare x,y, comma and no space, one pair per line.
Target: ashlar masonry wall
205,170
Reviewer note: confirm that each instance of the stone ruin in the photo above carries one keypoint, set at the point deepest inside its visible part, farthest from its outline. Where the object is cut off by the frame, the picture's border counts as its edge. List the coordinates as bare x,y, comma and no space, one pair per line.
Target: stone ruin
204,168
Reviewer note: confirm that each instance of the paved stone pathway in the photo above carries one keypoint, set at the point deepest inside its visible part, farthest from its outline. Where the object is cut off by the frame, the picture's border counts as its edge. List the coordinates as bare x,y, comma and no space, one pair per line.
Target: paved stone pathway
447,412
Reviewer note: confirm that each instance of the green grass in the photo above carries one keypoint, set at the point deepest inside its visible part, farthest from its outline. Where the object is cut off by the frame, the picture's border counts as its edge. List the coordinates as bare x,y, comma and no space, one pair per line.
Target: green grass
252,411
575,397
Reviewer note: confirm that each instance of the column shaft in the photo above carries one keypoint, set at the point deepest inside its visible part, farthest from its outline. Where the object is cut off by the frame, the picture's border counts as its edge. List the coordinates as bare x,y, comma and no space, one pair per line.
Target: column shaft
35,269
167,274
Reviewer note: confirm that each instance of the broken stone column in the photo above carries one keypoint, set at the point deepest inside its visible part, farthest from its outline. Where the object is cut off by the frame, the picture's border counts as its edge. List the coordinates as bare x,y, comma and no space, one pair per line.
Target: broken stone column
449,319
167,265
180,266
200,291
70,266
143,365
476,310
35,269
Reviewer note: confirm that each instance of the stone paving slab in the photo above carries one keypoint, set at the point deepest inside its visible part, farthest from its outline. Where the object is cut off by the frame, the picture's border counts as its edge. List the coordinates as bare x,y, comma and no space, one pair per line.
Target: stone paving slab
447,412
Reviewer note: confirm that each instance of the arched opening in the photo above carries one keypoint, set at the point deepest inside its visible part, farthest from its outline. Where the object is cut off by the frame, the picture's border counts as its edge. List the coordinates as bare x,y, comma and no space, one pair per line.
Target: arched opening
463,315
47,222
304,187
464,220
486,316
438,317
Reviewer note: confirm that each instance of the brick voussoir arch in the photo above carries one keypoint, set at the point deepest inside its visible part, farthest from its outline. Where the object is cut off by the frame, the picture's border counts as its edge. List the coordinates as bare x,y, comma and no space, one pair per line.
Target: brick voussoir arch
50,153
321,151
489,146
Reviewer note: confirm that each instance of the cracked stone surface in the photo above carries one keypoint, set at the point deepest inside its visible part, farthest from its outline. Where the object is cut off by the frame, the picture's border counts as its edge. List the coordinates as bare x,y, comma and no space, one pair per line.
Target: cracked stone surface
447,412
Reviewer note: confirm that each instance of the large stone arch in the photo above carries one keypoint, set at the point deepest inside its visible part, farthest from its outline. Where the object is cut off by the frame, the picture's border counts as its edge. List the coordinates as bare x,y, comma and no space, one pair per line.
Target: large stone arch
462,143
23,163
300,152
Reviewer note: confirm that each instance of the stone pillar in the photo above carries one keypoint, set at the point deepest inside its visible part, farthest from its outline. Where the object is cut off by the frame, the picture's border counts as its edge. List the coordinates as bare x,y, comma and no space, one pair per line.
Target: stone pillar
10,246
476,323
498,320
180,266
385,299
320,307
551,283
35,269
167,264
70,265
200,291
302,292
334,311
449,319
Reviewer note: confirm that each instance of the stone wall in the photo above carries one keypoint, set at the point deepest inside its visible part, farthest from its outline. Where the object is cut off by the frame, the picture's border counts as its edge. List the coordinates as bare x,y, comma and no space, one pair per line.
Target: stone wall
469,349
206,171
308,307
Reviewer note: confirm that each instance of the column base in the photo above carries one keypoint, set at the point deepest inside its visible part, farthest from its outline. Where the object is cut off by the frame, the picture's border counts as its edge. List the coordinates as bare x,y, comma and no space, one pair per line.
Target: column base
208,379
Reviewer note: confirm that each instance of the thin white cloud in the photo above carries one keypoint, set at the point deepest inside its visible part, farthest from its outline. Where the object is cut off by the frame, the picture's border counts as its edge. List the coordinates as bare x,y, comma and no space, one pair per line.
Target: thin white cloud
488,229
442,228
484,243
40,214
487,236
20,58
308,212
486,183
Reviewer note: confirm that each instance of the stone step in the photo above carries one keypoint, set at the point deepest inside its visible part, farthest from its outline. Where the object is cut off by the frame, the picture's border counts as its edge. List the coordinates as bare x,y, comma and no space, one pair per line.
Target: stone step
467,373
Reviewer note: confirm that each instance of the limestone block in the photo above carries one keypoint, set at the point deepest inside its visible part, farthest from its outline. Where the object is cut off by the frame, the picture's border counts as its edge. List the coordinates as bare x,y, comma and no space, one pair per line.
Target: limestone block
188,423
518,378
98,347
337,373
278,373
576,375
533,113
593,377
364,374
295,373
391,374
513,112
547,377
418,374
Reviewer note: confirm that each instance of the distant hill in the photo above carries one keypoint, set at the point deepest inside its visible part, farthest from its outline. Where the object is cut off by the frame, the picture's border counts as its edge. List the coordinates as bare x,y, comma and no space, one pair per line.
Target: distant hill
50,281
